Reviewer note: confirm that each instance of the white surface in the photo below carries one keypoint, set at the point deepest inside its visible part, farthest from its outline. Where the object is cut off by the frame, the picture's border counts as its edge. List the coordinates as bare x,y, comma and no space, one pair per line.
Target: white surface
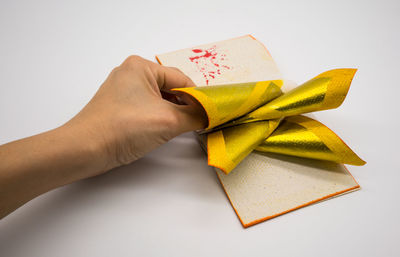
55,55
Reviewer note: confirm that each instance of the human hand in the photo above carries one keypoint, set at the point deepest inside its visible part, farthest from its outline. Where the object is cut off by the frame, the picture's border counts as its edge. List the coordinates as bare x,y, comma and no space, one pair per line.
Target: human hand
131,114
134,112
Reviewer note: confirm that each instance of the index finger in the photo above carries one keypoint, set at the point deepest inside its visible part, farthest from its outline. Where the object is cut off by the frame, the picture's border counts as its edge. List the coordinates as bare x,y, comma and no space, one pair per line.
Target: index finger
171,77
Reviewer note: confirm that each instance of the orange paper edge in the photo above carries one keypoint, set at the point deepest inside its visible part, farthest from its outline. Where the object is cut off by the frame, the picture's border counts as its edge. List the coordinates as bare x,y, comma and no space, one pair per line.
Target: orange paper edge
246,225
254,222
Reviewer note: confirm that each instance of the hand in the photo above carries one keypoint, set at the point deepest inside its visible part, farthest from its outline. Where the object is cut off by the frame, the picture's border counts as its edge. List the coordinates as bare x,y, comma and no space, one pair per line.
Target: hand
132,113
129,117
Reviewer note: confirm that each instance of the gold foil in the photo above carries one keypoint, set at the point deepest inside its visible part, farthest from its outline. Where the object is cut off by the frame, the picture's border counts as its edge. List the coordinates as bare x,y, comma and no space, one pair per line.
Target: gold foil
302,136
248,116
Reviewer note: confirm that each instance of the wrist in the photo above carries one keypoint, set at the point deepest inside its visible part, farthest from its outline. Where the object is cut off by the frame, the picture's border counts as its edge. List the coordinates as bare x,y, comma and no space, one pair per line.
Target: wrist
88,148
54,158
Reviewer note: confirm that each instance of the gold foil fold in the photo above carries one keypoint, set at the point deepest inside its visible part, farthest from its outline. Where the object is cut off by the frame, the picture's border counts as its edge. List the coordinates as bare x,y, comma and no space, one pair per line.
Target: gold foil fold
248,116
302,136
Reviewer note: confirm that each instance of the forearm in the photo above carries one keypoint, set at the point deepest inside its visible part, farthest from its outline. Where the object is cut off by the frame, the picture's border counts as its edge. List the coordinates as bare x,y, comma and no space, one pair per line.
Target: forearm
127,118
34,165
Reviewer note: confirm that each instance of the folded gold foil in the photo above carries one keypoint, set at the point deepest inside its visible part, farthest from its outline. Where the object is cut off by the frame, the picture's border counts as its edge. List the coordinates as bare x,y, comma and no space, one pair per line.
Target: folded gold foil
258,116
302,136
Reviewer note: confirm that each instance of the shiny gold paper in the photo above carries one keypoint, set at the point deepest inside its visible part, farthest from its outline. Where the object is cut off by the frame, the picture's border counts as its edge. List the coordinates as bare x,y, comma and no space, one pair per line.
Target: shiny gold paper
302,136
257,116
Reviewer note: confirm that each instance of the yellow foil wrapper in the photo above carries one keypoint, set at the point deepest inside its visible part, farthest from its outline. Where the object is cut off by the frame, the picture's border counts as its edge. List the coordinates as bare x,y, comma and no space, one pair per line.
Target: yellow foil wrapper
302,136
248,116
226,102
229,146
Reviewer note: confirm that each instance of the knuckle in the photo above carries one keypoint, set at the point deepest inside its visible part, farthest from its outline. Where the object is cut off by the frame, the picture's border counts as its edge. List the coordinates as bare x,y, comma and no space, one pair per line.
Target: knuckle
116,70
118,73
134,58
133,61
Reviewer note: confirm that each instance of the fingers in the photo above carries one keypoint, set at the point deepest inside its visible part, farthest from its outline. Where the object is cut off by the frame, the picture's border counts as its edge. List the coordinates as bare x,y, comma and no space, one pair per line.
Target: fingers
189,118
171,77
180,118
166,77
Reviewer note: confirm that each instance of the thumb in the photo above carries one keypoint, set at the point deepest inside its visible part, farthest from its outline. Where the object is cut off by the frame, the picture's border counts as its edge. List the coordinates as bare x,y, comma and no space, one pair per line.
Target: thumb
190,117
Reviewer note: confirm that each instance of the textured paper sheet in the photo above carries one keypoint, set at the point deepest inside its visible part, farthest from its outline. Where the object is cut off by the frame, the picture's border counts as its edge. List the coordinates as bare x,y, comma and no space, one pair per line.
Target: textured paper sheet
263,186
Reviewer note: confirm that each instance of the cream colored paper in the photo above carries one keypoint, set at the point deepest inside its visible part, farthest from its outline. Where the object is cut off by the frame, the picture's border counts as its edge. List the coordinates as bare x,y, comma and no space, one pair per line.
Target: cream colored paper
262,186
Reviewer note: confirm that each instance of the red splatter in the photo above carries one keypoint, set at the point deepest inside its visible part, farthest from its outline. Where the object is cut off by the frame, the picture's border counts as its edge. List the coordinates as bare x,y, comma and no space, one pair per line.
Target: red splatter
209,62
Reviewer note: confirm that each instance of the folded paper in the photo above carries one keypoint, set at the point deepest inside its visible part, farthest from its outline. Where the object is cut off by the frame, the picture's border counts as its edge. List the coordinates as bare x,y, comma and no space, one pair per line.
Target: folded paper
263,185
302,136
245,117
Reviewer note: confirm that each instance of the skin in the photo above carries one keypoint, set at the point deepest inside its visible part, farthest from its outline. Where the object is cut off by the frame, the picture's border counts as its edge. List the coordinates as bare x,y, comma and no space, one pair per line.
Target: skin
132,113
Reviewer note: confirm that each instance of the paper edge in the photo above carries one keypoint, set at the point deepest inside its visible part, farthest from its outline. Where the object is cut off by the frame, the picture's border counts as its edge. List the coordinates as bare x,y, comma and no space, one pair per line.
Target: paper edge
318,200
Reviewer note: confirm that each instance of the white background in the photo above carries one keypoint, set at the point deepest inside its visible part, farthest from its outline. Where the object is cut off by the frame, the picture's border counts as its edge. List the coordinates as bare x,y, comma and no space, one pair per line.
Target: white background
54,55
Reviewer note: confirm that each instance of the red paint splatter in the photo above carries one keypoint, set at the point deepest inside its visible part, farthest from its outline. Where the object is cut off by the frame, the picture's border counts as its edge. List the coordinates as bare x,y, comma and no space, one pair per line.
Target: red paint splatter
208,62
